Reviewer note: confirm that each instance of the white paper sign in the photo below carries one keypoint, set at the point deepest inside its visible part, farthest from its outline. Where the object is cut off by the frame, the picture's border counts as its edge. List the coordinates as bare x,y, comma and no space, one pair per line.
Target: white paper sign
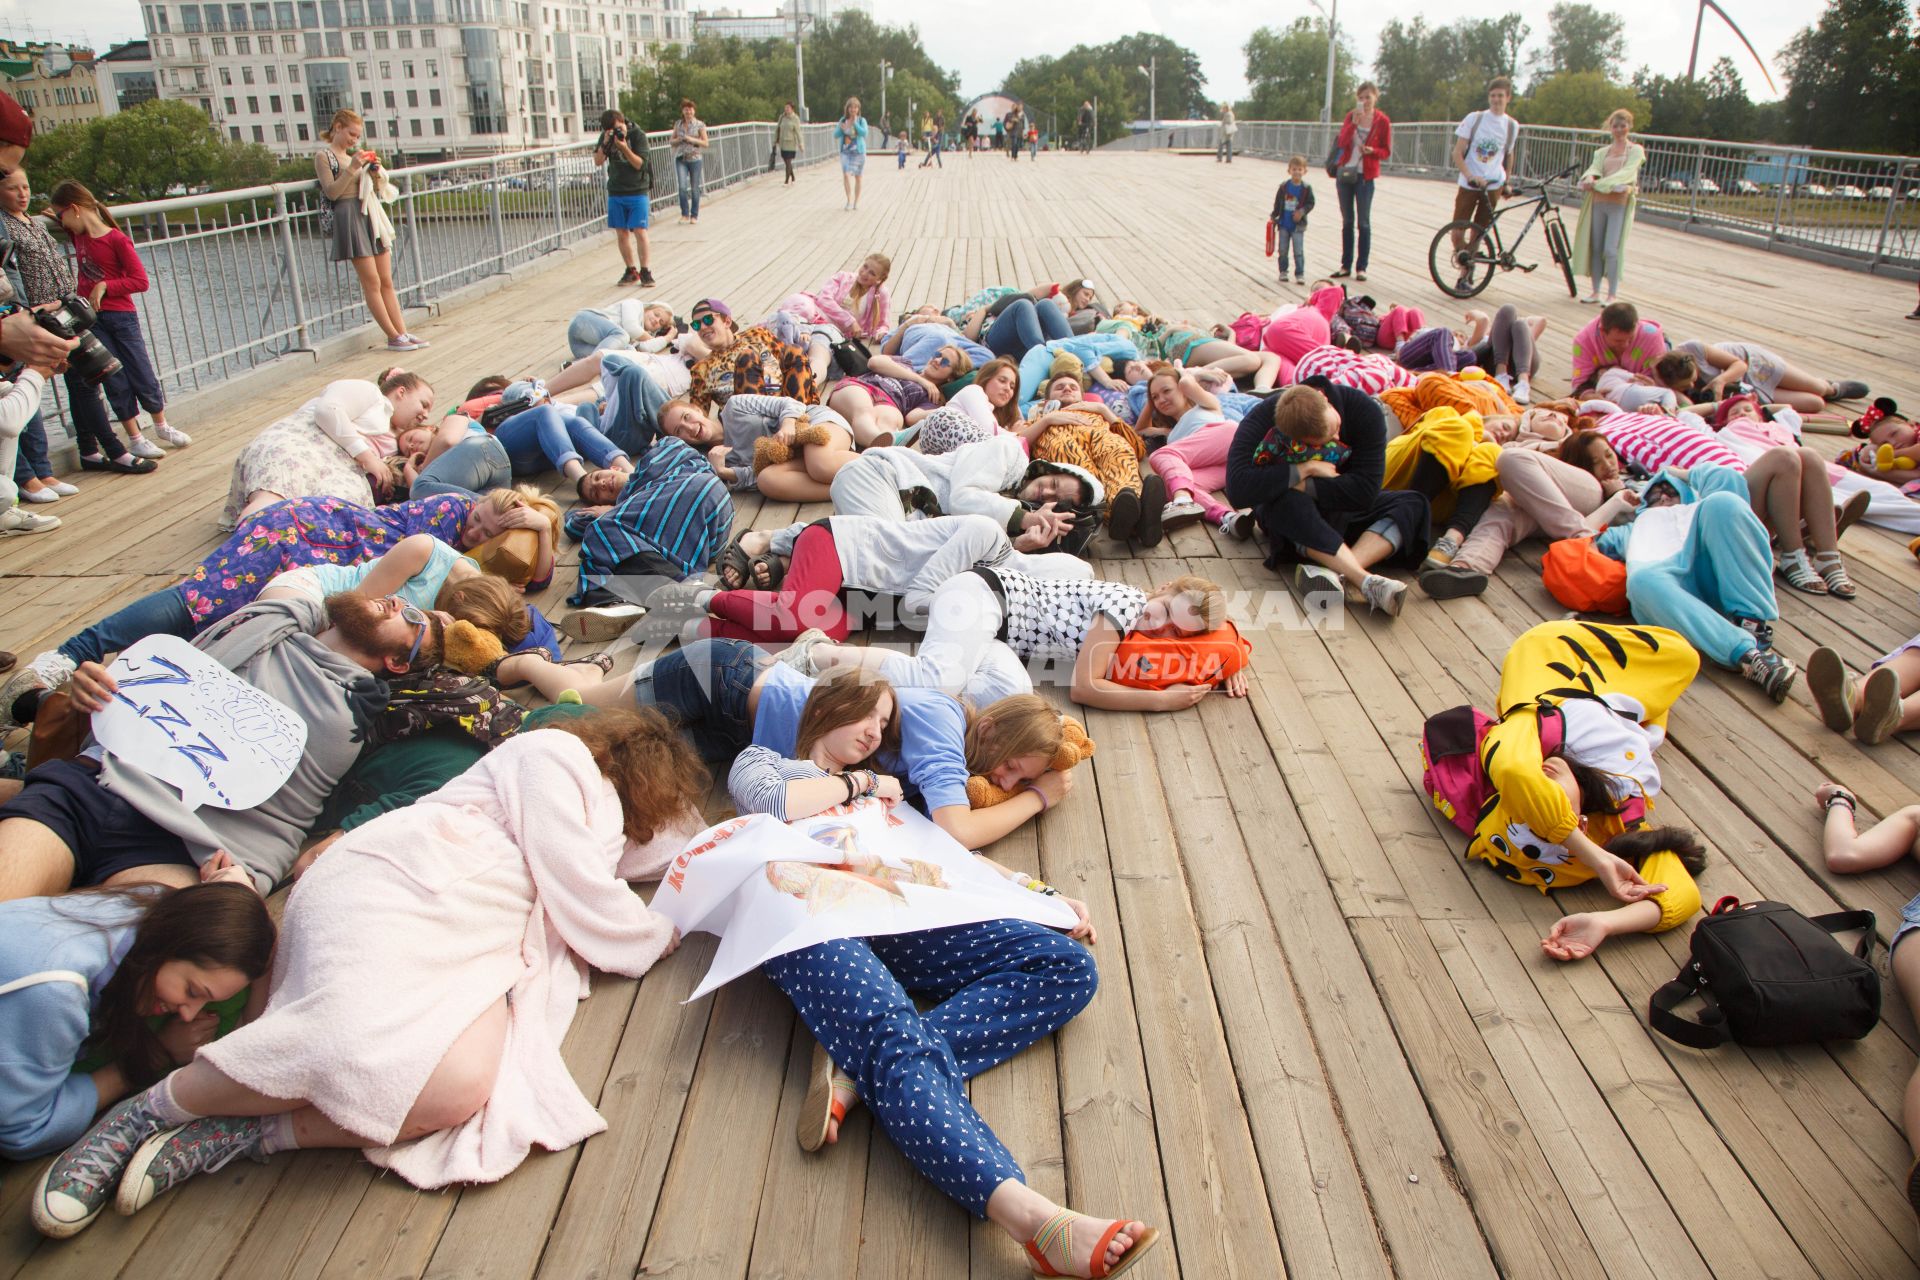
189,721
765,887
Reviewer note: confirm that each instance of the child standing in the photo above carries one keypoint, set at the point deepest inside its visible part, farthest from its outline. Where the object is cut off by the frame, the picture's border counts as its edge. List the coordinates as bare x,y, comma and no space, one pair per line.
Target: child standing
110,273
900,150
1291,205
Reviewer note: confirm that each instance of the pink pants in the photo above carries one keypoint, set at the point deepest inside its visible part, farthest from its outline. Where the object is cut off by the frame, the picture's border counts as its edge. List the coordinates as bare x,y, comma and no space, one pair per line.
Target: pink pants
1538,494
1198,464
1398,323
1293,335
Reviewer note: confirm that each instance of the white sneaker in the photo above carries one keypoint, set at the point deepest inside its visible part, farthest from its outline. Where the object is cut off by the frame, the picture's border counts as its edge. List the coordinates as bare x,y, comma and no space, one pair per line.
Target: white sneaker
1181,511
1310,579
18,520
1384,593
141,447
605,622
1522,391
401,342
1505,380
65,490
172,435
417,341
41,495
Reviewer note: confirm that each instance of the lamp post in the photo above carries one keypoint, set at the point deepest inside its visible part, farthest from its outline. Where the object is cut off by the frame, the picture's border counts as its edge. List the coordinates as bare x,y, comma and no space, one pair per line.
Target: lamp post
1151,72
1333,25
799,62
886,74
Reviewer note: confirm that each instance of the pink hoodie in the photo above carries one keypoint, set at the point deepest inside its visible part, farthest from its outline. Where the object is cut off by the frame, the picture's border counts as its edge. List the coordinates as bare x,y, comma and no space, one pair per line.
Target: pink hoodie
1291,334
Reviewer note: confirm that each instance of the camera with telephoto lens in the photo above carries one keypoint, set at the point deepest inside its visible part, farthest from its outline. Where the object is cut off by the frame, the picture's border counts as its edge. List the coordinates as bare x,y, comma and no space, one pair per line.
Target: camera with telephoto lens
69,318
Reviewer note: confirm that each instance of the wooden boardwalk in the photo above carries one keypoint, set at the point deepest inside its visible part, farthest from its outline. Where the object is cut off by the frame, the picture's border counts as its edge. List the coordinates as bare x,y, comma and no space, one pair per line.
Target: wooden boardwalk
1323,1046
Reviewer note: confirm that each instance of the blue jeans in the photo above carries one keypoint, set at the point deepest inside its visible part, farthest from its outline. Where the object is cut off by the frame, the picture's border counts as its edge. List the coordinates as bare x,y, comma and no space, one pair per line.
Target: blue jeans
1000,985
630,417
163,612
1296,241
135,387
1024,325
704,689
549,436
590,331
475,466
686,173
32,462
1356,212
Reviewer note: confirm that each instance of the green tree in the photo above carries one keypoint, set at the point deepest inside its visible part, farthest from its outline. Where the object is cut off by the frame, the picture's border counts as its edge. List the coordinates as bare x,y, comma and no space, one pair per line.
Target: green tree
1677,106
1579,100
1056,85
1441,73
1583,38
142,154
1730,114
66,151
248,164
1853,80
1287,72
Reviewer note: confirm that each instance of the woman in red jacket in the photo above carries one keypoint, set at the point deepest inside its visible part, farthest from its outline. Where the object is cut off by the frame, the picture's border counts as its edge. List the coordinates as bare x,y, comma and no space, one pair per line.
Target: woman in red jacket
1366,138
110,273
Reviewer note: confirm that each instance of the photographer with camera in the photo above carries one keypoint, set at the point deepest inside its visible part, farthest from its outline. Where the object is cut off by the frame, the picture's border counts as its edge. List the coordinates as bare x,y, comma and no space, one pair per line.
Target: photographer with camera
629,182
42,285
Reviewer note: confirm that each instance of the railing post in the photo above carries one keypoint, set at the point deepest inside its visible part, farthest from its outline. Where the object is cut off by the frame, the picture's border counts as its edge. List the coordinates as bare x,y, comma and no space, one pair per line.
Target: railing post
1693,183
499,222
412,199
553,189
293,268
1893,203
1780,190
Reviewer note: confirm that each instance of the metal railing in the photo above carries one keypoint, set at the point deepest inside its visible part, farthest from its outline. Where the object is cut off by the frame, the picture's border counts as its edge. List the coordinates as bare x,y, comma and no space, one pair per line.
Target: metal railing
240,278
1847,207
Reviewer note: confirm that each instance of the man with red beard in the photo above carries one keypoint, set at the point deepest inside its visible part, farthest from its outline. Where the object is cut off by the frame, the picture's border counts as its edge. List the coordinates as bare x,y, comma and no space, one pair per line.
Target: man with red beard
102,820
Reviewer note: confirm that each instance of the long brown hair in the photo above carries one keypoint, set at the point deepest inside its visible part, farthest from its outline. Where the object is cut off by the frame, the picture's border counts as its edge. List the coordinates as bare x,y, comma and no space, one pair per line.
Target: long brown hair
1009,413
1025,724
69,193
1149,415
840,698
652,768
216,926
1577,450
488,603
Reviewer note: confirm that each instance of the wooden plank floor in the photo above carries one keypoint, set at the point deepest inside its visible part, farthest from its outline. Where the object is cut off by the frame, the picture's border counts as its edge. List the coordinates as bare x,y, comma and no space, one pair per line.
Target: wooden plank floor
1322,1046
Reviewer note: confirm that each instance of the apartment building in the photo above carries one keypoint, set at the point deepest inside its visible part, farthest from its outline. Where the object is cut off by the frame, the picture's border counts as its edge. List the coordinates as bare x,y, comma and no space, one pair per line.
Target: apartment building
434,79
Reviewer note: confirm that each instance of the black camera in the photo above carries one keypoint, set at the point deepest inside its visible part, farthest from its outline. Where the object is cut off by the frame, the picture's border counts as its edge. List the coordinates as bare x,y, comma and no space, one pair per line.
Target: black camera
69,318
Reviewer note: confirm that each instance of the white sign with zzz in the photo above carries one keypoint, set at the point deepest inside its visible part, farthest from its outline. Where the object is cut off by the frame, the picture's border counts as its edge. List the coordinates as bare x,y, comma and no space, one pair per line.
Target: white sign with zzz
190,722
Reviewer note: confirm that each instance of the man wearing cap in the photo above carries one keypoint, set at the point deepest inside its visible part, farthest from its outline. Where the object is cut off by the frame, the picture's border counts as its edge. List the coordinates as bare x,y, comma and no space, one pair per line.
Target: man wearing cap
22,341
745,361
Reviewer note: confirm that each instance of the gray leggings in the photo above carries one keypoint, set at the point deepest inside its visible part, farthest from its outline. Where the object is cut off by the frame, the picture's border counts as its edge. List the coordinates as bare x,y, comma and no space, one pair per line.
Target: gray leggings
1607,223
1508,345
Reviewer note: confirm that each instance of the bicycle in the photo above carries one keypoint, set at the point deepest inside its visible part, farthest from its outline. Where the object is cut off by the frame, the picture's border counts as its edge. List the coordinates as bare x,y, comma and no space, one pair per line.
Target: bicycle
1466,271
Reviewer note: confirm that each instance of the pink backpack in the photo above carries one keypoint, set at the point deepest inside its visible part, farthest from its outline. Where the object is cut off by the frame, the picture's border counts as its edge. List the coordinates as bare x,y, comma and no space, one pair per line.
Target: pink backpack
1248,329
1450,747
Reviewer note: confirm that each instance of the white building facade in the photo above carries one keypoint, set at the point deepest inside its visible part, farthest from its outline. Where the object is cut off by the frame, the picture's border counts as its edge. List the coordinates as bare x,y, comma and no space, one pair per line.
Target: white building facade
432,79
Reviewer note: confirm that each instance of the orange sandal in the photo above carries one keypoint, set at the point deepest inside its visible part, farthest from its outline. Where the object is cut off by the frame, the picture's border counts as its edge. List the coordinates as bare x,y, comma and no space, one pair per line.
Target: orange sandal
1054,1243
829,1095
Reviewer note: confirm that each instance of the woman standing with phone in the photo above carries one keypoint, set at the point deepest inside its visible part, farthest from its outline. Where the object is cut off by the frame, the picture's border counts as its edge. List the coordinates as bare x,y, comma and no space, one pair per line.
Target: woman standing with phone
850,132
1366,138
339,167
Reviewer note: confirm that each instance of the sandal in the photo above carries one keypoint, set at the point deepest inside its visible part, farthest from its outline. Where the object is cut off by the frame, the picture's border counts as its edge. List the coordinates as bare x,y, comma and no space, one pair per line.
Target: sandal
1848,513
1834,573
733,558
1800,574
1052,1248
830,1095
604,661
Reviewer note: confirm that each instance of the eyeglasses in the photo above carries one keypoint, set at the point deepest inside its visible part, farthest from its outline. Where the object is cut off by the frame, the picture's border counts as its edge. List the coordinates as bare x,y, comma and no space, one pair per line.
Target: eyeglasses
704,321
419,619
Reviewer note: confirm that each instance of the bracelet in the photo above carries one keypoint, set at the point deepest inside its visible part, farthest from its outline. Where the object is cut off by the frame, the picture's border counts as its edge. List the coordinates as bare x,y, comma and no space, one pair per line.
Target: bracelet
847,778
1842,797
1044,806
873,782
1042,887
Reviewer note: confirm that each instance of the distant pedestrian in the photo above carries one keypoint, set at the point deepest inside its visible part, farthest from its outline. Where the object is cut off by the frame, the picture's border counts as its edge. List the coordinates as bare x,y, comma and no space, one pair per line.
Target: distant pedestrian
1228,127
787,137
689,142
850,132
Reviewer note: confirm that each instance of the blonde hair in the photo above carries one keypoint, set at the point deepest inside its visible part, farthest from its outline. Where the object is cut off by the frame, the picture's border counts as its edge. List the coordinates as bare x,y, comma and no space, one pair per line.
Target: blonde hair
501,501
344,116
1620,113
488,603
1301,413
874,317
842,697
1024,725
962,362
1203,595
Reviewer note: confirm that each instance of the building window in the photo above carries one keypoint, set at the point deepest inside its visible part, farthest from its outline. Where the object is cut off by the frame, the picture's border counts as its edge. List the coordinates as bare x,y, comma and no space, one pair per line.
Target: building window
327,84
233,131
216,18
243,45
273,74
283,14
219,44
329,13
356,13
433,97
293,75
380,39
246,75
259,134
302,129
360,70
273,103
160,11
193,46
336,46
406,69
366,101
414,126
370,129
389,99
299,103
280,133
232,108
426,38
289,44
386,71
403,38
439,127
433,67
486,96
358,39
413,99
237,17
313,45
189,17
262,16
377,12
309,14
226,74
425,9
403,12
253,104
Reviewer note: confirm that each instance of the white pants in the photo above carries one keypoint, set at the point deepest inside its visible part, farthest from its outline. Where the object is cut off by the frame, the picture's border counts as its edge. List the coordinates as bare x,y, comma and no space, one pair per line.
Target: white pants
962,622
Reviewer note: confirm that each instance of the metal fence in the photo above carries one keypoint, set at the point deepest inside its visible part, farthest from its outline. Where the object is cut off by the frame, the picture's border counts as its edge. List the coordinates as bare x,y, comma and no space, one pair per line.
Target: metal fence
239,278
1854,209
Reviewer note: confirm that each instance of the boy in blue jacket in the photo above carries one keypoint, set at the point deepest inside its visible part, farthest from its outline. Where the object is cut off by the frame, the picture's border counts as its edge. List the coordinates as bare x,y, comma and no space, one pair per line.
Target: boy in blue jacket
1291,205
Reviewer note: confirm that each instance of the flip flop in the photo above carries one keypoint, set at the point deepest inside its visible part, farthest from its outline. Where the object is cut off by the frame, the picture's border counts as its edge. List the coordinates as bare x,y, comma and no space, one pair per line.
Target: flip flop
823,1106
1054,1242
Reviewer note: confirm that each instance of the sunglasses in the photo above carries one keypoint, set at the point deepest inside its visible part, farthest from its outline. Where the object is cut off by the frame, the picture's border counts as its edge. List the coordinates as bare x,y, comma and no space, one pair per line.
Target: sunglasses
419,619
705,321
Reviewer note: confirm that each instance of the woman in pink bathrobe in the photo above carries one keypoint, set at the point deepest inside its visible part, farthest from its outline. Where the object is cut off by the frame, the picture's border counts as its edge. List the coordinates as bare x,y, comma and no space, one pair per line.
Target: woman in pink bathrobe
1293,331
428,967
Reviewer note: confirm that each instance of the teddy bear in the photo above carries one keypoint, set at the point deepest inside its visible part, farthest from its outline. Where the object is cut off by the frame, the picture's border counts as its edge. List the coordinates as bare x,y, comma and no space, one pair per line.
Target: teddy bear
769,451
1075,746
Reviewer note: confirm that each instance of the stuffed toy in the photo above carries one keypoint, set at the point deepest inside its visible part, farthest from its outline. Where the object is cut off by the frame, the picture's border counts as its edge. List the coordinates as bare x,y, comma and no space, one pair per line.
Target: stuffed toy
1075,746
469,649
769,451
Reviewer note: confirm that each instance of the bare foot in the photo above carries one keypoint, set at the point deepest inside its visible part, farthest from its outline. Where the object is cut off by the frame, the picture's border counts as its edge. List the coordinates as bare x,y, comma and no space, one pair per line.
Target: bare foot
1575,937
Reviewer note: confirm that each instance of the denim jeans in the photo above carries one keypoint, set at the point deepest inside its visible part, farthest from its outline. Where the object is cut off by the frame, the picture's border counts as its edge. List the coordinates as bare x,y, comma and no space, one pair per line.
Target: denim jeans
686,173
163,612
1356,212
1296,241
590,331
472,467
630,418
1024,325
548,437
135,387
704,688
87,412
32,462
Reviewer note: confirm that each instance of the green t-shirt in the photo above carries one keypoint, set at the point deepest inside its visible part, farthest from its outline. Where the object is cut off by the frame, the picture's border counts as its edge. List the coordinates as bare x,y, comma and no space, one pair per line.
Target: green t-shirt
622,178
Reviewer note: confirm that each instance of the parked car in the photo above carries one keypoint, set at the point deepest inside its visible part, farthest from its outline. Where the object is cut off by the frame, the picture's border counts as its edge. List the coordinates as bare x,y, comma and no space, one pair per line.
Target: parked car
1706,187
1881,192
1849,192
1815,190
1674,185
1745,188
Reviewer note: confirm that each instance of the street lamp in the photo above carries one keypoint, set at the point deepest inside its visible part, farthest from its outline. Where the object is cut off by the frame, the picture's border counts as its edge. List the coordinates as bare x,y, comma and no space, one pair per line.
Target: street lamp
1333,24
1150,71
886,74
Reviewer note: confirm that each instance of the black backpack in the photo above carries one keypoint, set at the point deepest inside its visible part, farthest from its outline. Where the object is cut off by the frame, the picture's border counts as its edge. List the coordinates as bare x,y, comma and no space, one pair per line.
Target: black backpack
1771,976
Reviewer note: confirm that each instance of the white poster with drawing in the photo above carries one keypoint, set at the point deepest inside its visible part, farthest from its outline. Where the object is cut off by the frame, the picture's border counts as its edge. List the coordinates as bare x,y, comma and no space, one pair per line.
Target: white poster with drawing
765,887
190,722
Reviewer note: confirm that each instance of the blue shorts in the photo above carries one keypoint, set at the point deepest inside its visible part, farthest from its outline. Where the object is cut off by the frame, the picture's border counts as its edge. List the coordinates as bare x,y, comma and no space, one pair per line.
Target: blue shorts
627,213
104,834
1909,921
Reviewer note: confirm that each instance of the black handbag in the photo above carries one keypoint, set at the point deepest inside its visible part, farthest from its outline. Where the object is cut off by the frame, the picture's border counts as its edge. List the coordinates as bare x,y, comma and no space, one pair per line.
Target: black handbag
1333,156
851,356
1771,976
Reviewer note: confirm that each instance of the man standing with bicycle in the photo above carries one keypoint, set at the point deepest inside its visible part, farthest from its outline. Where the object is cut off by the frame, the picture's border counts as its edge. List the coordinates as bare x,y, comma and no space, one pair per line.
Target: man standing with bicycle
1482,149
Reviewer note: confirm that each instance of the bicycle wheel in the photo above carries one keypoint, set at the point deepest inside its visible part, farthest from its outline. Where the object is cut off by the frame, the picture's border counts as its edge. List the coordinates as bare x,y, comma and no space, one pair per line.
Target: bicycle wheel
1562,253
1462,273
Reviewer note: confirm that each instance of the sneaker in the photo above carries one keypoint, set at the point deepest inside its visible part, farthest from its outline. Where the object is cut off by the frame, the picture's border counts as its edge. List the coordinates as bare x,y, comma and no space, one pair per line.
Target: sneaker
1833,689
1465,283
1441,554
1506,382
168,1159
1384,593
1123,516
75,1187
141,447
1310,579
1762,632
1299,279
799,654
629,276
603,622
1238,525
172,435
401,342
417,341
19,520
60,488
1361,276
1849,389
1880,707
1181,512
687,599
1773,673
48,671
646,278
1153,510
1451,581
1522,390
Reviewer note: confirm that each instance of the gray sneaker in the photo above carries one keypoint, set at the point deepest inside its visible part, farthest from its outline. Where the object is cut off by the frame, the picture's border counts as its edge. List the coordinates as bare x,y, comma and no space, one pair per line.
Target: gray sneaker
1310,579
76,1186
1384,593
168,1159
799,654
1773,673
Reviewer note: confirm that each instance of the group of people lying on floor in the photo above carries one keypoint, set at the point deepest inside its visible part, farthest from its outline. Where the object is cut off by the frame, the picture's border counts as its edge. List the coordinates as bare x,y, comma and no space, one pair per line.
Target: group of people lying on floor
374,582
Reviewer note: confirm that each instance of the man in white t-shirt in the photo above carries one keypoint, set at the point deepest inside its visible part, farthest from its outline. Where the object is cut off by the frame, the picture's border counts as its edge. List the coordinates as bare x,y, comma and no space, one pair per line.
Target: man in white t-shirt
1483,146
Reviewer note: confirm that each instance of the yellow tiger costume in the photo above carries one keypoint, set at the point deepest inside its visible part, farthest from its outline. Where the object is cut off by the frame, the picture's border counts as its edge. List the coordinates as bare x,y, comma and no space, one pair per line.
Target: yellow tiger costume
1092,444
1554,663
1457,441
1431,391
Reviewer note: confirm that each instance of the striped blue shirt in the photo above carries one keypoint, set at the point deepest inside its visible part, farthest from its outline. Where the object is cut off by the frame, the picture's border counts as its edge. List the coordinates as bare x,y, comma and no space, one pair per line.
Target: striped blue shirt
673,505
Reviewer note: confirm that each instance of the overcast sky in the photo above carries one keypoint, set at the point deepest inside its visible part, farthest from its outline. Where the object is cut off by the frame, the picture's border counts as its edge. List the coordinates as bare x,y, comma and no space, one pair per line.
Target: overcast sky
982,38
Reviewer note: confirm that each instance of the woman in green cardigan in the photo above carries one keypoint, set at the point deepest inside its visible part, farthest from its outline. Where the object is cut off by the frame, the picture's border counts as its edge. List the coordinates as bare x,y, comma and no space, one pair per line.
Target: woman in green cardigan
1611,184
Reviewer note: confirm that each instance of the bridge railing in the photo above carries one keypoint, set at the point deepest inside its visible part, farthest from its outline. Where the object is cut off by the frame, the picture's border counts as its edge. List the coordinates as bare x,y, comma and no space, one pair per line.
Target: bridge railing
1852,208
239,278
